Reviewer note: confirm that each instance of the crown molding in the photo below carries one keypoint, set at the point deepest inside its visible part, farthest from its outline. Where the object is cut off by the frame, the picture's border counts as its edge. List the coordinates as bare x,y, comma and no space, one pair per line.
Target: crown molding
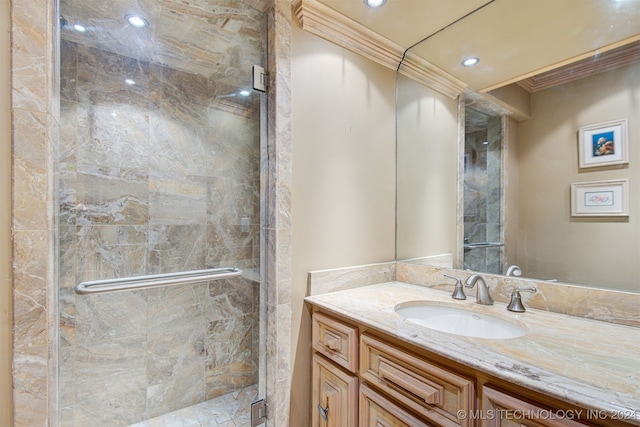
606,61
422,71
319,19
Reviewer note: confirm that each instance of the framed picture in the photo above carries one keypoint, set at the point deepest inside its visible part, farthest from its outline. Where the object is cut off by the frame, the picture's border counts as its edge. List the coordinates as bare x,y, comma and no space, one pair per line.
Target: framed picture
600,198
603,144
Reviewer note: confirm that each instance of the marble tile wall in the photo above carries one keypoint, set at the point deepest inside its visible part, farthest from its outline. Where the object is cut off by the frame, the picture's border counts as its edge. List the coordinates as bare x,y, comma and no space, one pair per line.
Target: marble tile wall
150,352
277,164
155,177
482,196
33,101
35,134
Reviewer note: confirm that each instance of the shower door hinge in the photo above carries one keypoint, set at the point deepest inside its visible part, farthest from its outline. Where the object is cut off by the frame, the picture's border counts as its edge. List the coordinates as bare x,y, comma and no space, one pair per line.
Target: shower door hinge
259,78
258,412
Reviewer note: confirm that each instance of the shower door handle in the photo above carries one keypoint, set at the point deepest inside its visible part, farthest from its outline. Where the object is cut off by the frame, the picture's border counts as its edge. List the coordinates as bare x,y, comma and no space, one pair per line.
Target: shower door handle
155,280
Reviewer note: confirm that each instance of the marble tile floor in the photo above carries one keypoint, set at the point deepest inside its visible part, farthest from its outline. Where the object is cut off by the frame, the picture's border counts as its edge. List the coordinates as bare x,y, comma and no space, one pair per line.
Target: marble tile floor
229,410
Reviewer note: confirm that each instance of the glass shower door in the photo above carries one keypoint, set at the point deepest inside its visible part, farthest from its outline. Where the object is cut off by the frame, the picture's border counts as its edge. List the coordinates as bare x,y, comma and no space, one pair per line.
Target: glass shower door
483,218
159,173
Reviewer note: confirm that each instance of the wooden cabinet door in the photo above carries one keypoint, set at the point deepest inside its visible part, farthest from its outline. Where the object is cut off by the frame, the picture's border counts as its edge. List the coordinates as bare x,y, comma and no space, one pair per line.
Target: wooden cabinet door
377,411
335,395
335,340
435,394
503,410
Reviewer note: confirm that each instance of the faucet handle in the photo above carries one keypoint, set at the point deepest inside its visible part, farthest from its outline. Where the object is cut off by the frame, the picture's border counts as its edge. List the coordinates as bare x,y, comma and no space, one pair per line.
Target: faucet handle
458,293
516,301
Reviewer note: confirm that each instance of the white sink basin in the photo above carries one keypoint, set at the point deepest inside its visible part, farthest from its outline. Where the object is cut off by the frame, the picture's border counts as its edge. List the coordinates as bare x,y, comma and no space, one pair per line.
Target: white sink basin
459,321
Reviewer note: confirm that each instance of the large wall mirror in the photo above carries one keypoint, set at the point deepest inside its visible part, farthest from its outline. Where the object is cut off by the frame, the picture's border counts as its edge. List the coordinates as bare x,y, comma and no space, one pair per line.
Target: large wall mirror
550,72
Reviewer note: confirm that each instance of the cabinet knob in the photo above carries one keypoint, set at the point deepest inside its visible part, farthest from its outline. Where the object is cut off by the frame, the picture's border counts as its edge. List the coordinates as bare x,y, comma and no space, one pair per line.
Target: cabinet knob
323,412
332,342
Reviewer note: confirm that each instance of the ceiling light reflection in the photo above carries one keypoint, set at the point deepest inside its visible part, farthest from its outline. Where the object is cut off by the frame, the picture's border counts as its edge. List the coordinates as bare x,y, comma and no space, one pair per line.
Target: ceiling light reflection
374,3
137,21
470,62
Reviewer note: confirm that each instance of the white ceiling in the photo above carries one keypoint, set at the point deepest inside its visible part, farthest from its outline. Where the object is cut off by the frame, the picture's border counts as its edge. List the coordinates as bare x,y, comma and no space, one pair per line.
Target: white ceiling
514,39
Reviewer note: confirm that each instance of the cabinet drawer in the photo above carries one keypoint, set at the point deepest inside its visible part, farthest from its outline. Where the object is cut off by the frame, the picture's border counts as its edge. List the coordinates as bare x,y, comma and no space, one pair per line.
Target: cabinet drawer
337,341
335,395
376,411
503,410
430,391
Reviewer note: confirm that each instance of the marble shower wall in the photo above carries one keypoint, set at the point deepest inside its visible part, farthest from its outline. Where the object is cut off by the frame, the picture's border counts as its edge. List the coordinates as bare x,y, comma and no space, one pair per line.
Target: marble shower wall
482,196
155,177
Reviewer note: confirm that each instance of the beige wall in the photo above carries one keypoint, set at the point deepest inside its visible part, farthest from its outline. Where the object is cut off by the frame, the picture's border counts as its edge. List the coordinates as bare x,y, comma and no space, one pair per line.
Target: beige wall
5,215
511,192
553,244
343,182
427,197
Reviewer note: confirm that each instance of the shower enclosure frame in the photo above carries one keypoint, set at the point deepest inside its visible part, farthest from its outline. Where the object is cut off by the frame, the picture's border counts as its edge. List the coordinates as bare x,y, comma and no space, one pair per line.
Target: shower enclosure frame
34,134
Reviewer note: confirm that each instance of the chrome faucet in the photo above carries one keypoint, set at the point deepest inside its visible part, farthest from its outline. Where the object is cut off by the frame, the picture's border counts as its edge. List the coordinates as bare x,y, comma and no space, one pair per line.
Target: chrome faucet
482,294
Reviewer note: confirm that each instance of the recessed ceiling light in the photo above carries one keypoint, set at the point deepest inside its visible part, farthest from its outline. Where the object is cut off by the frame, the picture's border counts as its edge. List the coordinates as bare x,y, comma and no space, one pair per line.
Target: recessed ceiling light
137,21
470,62
374,3
79,28
245,92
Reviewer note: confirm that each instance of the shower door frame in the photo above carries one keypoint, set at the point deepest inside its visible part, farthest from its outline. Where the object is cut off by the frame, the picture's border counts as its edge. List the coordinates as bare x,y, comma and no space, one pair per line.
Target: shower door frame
35,126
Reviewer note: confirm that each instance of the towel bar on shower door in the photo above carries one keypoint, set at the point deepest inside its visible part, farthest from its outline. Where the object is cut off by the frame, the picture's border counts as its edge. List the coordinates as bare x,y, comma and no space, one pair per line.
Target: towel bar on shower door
155,280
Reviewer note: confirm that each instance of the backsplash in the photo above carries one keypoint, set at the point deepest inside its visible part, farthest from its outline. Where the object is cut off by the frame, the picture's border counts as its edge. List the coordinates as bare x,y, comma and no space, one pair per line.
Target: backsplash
340,279
581,301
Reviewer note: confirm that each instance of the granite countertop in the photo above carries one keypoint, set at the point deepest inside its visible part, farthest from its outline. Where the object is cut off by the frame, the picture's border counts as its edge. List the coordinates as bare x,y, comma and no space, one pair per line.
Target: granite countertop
589,363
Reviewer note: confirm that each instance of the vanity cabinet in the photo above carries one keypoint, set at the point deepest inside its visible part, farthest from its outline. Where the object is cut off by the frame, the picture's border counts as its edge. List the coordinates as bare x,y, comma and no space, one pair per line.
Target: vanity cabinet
335,395
411,390
335,365
504,410
436,394
377,411
363,377
335,340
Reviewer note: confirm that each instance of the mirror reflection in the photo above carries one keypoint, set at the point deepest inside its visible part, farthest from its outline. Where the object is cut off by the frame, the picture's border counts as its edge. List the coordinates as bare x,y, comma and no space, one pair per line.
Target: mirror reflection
509,181
482,198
